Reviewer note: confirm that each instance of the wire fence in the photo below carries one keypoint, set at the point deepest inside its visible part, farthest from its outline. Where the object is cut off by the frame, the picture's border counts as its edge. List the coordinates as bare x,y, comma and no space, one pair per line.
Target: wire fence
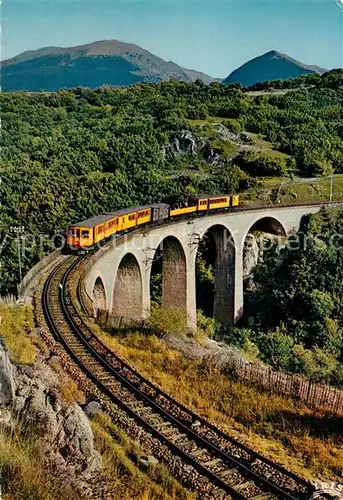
317,395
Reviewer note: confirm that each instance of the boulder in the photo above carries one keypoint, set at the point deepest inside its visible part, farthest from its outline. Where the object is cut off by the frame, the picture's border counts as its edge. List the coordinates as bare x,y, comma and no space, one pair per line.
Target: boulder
148,461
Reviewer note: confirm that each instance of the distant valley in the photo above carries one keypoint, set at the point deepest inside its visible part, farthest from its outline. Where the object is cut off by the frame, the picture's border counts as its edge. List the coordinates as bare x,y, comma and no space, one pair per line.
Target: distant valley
111,62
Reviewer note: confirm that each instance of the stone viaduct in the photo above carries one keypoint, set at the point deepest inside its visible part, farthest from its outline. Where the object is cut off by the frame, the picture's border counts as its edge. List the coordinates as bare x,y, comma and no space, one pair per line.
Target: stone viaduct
119,279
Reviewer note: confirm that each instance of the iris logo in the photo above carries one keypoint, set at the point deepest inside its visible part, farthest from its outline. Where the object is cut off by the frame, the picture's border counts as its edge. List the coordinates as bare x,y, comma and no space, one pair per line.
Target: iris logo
339,3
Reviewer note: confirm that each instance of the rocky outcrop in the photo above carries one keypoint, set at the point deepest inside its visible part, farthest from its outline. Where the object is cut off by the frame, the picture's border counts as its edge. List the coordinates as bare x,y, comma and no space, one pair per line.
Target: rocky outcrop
256,248
250,255
30,395
6,385
185,143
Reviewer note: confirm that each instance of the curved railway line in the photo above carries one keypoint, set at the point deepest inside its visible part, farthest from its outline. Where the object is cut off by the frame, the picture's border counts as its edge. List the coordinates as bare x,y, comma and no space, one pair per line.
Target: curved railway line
235,470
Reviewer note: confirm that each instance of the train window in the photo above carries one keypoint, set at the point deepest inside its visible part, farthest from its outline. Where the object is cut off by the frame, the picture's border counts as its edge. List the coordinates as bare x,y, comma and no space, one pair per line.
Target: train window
77,233
85,234
70,232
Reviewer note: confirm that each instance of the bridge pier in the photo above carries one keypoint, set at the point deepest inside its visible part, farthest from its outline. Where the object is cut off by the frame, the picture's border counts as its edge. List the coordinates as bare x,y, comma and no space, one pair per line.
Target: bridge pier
238,284
224,292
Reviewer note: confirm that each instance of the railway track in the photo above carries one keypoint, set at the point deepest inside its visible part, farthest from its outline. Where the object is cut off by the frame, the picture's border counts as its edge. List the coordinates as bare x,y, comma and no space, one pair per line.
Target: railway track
235,470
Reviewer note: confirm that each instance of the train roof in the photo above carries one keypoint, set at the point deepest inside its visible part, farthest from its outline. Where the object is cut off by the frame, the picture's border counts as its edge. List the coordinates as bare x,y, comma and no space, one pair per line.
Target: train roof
99,219
211,196
92,221
131,210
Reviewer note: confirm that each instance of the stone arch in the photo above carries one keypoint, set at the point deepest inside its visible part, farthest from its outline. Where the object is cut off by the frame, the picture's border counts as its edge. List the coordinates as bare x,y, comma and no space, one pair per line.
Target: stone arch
269,225
224,259
99,294
128,289
253,248
174,273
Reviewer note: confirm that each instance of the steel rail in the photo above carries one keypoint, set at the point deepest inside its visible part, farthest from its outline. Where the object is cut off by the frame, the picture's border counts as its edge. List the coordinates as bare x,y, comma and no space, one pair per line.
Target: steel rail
194,417
117,401
271,487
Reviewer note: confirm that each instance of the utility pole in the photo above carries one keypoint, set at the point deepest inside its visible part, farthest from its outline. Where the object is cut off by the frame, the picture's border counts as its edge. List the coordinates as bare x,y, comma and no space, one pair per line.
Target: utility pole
331,186
18,230
279,190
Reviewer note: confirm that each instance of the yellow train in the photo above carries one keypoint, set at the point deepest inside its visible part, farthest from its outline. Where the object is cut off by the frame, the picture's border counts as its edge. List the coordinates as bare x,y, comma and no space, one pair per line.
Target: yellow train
87,233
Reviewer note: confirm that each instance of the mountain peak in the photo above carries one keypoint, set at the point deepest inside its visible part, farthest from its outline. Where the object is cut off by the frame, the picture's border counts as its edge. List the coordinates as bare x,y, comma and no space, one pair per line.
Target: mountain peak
272,65
104,62
273,53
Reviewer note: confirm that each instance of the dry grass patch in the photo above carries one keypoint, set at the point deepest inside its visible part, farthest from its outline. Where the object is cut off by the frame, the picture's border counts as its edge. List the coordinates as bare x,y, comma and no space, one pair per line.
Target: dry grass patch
309,442
24,474
68,388
16,328
121,466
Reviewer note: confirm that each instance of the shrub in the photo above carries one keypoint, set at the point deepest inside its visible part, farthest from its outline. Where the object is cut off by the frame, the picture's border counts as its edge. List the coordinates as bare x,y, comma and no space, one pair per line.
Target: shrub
168,320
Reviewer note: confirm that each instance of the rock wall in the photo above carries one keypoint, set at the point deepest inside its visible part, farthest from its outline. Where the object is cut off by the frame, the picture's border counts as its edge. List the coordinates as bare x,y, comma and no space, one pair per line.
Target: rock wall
30,395
251,254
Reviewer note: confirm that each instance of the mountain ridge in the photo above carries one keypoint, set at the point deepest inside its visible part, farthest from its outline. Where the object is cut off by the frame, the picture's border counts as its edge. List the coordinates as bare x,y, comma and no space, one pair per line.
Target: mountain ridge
117,63
108,57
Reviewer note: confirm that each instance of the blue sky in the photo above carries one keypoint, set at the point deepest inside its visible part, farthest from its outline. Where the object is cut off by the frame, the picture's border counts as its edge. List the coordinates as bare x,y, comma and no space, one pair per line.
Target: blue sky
210,36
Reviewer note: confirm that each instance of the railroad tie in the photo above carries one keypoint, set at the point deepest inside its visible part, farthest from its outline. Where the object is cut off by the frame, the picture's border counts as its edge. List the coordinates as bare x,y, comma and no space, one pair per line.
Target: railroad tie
264,496
228,472
211,463
197,453
242,486
163,425
177,437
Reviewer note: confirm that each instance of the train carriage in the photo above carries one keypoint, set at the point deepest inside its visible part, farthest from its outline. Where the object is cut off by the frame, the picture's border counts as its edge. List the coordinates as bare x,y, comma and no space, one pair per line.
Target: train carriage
87,233
219,201
183,210
202,203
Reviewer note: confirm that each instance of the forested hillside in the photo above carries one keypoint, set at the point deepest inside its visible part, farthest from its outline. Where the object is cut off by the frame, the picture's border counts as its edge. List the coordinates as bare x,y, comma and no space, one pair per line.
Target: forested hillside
70,154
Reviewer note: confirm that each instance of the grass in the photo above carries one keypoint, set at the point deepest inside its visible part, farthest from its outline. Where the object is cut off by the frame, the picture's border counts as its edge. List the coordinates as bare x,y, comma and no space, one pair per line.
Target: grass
121,458
295,190
23,471
211,120
68,388
17,331
304,440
